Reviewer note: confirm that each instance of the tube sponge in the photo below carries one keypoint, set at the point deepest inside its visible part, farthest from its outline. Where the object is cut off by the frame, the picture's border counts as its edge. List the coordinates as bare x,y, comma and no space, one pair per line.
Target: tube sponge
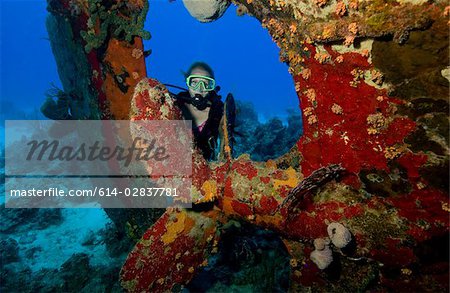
340,236
322,256
206,10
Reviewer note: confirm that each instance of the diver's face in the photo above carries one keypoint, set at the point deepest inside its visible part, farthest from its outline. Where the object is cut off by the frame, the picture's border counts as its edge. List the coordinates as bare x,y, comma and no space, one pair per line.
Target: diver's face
199,91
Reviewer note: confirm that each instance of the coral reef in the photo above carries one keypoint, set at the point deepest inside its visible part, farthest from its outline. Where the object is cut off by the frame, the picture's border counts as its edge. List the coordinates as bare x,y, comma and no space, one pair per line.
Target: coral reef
373,157
264,141
95,43
9,251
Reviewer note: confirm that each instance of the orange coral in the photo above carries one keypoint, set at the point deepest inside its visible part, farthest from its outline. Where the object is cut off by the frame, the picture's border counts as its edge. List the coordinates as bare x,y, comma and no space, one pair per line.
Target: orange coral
365,53
353,28
320,3
322,57
293,28
447,11
328,31
340,10
349,40
353,4
311,94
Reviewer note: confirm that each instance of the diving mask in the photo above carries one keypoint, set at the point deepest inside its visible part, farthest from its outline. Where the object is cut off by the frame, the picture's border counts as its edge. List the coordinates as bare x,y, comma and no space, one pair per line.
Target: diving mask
200,83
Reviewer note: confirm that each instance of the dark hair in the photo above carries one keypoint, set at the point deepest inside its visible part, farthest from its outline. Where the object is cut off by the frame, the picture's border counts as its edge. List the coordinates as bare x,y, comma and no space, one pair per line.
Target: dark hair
199,64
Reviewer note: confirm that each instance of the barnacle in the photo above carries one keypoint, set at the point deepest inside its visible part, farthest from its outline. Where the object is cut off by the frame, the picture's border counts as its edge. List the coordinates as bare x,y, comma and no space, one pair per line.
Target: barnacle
322,57
357,74
365,53
354,83
282,57
336,109
392,152
241,10
280,4
135,75
376,77
380,98
353,4
137,53
297,13
349,40
377,121
345,137
447,11
293,28
328,31
312,119
320,3
294,58
353,28
339,59
340,8
420,185
311,95
372,130
308,111
406,271
306,73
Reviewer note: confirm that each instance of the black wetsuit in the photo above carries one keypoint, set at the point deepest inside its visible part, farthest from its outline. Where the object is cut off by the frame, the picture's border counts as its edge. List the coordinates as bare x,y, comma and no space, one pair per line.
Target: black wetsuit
206,139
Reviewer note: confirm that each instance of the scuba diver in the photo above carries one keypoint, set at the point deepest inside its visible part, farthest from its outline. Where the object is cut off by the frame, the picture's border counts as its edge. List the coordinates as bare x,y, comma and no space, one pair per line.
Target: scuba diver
202,104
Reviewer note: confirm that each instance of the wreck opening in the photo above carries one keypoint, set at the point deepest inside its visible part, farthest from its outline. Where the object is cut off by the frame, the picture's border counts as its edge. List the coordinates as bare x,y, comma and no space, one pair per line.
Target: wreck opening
246,63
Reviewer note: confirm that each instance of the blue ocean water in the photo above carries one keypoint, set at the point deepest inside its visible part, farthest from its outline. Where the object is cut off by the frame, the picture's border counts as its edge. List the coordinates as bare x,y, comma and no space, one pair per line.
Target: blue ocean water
38,242
234,46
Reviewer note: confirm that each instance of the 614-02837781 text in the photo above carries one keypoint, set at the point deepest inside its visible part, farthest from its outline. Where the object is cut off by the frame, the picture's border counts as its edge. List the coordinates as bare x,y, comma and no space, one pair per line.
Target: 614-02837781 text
150,191
102,192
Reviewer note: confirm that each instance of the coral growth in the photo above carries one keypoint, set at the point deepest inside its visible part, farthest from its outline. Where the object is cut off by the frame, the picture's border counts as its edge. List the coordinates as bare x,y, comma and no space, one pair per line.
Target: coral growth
322,256
373,155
